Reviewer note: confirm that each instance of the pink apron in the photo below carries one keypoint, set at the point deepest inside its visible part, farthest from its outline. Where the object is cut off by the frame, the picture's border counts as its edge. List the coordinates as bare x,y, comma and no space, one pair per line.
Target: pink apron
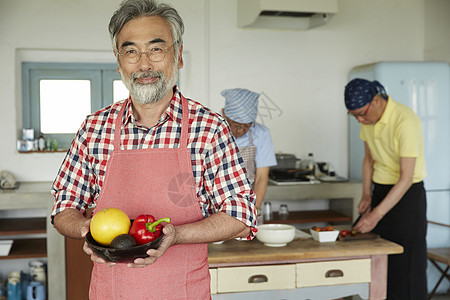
160,182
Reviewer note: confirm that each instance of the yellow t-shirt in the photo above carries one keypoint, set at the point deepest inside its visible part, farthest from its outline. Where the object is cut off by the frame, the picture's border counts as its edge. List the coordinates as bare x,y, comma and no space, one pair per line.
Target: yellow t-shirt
397,134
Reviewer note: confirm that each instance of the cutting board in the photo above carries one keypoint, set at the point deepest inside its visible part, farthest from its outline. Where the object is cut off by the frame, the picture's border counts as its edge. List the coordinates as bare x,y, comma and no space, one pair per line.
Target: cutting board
359,236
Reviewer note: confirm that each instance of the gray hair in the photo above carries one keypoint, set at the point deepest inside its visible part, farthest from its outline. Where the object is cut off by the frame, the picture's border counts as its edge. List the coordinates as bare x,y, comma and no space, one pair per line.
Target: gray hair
132,9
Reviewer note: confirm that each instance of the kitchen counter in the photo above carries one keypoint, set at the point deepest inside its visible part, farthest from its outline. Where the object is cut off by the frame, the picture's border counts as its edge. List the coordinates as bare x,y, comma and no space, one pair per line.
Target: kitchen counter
234,254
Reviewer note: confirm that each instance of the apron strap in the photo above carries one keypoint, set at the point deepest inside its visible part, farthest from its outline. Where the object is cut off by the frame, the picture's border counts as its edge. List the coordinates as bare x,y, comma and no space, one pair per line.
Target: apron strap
250,137
118,125
184,123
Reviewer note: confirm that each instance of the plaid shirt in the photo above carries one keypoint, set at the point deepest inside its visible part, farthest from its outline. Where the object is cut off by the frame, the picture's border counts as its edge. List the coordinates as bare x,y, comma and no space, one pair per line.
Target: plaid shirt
221,183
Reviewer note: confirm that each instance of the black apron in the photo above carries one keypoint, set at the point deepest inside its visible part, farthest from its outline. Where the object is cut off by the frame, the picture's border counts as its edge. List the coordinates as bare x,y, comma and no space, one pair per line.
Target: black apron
405,224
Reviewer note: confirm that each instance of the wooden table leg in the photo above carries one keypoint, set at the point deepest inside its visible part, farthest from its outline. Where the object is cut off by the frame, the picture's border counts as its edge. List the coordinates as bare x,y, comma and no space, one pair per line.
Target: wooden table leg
378,284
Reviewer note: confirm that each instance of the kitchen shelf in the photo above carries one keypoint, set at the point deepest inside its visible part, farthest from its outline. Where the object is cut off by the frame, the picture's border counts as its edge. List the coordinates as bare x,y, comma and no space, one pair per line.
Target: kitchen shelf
310,216
22,226
343,196
27,248
43,151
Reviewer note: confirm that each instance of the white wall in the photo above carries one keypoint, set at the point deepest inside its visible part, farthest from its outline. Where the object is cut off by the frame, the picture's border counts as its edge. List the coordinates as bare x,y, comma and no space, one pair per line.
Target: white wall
437,27
302,72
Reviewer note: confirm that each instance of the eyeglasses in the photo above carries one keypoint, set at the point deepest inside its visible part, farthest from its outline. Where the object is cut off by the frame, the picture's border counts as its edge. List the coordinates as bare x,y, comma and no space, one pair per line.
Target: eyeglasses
361,114
132,54
238,126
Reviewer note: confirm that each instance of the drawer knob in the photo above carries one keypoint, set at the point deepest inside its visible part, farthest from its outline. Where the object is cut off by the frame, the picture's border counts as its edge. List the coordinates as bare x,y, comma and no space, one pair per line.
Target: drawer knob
334,273
257,279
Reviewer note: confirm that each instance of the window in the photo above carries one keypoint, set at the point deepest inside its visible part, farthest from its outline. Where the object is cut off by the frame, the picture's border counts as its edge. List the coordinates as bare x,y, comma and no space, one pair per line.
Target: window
57,97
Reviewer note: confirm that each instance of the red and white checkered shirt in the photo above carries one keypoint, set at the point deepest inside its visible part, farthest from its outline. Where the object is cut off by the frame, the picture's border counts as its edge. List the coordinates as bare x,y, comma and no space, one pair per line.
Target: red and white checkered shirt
221,182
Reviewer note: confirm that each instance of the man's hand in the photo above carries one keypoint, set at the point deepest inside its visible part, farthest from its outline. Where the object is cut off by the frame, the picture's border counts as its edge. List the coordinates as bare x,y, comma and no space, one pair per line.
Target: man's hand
71,223
364,204
368,222
94,257
216,227
167,241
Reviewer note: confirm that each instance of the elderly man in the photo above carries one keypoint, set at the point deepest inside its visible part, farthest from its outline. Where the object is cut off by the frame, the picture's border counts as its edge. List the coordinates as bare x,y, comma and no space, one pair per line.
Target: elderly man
393,203
253,139
155,153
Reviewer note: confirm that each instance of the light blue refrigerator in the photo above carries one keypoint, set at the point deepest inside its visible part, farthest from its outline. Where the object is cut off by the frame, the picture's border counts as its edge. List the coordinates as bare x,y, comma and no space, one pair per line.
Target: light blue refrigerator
425,87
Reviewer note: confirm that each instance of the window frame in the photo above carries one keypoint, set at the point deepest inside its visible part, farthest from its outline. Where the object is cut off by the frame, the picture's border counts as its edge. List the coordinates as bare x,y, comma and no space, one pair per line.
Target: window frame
101,76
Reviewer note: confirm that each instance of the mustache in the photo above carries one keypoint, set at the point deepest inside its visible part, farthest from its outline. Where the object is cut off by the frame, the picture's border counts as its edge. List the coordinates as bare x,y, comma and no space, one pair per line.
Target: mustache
157,74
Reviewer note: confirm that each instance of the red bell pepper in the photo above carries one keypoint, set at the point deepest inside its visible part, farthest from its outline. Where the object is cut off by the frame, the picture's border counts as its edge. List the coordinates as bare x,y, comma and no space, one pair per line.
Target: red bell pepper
145,229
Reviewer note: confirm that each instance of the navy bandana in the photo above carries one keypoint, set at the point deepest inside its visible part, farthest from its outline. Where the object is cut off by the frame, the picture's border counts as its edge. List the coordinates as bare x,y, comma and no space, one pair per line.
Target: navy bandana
360,92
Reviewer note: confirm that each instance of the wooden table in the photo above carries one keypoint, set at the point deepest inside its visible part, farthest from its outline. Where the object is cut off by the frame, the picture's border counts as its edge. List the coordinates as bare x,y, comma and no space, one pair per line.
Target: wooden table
253,253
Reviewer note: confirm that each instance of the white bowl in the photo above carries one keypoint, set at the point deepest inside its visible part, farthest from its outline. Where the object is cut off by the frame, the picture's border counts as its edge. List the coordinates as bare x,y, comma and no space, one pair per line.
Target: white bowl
275,235
218,243
324,236
5,247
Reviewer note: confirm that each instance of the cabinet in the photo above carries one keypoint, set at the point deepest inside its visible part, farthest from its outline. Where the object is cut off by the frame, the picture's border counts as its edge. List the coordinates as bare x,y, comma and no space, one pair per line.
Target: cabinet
326,273
290,276
343,196
255,278
78,270
29,196
304,269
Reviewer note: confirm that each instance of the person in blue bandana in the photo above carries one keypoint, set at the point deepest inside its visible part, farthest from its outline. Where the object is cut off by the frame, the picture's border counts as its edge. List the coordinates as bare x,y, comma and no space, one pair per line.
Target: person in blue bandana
253,139
393,203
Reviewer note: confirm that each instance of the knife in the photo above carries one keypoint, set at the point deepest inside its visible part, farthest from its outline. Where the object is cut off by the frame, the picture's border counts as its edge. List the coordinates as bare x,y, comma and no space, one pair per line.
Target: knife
357,220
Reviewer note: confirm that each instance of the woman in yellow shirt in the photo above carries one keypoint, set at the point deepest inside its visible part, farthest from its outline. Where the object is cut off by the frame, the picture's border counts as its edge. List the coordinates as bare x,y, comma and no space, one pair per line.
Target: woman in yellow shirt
393,203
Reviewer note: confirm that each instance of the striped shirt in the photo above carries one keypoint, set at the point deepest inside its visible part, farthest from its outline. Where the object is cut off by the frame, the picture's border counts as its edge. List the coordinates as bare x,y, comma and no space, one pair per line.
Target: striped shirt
221,181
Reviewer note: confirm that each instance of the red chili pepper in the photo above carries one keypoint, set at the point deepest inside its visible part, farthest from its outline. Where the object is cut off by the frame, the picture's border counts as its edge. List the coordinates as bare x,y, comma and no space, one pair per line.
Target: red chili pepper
145,229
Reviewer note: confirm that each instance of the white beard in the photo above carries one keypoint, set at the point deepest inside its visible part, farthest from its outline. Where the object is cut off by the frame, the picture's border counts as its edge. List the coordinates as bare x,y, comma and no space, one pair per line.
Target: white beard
151,92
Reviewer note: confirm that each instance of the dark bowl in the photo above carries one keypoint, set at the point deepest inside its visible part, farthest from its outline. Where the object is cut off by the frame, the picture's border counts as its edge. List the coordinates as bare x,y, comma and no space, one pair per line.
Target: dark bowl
121,255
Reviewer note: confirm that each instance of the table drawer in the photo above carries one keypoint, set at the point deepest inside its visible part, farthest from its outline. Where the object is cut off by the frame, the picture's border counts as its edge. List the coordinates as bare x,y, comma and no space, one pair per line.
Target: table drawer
333,272
213,274
257,278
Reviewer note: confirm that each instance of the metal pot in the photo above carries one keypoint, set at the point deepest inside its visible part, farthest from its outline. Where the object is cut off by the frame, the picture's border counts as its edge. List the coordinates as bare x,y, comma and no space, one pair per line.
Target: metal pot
286,160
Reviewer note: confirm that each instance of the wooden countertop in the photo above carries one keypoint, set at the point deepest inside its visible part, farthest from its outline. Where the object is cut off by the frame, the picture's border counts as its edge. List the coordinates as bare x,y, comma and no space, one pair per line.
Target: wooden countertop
234,253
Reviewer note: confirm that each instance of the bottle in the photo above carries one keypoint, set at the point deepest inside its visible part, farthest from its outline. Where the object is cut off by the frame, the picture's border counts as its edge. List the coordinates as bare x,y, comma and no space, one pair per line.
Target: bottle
14,289
41,143
268,211
55,145
48,144
309,164
259,217
283,212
